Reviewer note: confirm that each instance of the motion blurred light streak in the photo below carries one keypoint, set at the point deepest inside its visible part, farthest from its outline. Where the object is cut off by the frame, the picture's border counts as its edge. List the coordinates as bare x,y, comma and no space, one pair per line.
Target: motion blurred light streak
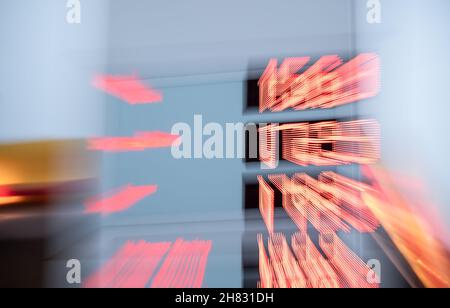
318,271
347,193
268,145
131,267
139,142
288,271
135,264
5,192
352,271
414,234
7,197
184,266
298,266
326,84
303,204
128,88
331,203
267,275
328,143
125,198
266,203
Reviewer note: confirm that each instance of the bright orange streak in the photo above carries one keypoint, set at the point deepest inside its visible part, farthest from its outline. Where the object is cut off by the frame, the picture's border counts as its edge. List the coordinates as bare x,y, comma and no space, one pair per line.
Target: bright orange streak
5,192
266,203
352,271
141,141
412,233
131,267
120,201
184,266
326,84
128,88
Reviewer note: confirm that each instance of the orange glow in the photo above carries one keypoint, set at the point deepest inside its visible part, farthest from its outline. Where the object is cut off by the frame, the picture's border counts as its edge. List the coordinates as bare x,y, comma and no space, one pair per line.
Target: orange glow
323,144
140,142
11,200
266,203
131,267
326,84
128,88
185,265
411,227
120,201
352,271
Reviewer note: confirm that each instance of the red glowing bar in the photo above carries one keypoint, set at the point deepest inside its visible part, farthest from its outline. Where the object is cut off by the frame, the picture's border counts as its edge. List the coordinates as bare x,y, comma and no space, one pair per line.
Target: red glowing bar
326,84
352,271
5,192
131,267
140,142
184,266
120,201
266,203
128,88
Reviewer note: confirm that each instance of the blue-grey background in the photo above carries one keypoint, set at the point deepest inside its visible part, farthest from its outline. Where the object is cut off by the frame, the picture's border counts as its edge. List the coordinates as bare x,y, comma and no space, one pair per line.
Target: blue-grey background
198,53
